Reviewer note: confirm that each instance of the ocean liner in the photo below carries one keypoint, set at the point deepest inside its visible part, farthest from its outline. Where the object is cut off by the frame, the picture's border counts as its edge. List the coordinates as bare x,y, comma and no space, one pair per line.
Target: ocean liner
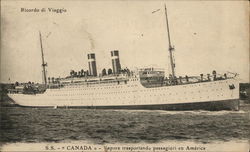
118,88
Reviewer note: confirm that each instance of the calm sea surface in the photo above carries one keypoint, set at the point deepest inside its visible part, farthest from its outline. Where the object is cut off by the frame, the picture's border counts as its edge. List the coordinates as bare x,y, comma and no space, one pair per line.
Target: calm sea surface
123,126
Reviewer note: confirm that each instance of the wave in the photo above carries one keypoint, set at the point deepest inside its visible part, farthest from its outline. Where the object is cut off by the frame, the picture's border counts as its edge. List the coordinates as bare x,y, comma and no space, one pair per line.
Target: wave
195,112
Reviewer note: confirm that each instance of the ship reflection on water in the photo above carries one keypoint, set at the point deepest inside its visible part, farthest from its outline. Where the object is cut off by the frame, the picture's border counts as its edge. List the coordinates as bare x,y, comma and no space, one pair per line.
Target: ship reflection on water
121,126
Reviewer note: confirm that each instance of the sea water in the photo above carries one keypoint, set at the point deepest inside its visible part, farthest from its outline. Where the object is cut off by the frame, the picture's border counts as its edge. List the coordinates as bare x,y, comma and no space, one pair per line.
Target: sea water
34,125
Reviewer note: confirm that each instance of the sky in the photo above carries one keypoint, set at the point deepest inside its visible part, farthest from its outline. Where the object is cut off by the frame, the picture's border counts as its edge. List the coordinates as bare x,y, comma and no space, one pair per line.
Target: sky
207,36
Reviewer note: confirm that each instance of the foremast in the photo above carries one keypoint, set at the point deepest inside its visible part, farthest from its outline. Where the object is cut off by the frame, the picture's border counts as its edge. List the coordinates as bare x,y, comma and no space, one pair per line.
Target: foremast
43,62
170,48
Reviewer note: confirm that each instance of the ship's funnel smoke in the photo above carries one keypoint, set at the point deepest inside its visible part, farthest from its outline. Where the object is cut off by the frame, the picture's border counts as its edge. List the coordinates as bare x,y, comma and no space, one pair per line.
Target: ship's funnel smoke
87,35
115,62
92,64
91,41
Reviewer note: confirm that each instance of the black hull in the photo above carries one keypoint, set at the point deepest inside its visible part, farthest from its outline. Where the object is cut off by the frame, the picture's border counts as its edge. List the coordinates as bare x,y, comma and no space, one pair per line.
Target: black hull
232,104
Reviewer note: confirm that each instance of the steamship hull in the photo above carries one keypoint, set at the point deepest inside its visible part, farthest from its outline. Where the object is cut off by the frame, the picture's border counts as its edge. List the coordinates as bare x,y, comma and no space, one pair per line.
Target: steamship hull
213,95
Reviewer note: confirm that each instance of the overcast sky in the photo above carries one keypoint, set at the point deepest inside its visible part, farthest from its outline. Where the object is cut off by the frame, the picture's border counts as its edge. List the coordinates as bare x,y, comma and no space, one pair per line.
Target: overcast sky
207,35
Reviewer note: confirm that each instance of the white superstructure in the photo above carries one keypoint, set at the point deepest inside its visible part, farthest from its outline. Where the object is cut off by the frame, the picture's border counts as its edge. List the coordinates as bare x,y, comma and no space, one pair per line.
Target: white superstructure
130,92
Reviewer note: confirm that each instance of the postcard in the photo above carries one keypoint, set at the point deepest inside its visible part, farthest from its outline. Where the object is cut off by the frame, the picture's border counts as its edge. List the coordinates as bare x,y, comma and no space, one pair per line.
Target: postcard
124,76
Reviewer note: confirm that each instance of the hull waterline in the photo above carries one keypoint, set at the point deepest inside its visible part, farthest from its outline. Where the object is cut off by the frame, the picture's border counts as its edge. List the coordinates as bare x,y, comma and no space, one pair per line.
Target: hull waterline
232,104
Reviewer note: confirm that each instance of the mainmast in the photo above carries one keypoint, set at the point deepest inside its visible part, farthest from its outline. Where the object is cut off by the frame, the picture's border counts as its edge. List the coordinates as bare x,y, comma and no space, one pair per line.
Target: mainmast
171,49
43,63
